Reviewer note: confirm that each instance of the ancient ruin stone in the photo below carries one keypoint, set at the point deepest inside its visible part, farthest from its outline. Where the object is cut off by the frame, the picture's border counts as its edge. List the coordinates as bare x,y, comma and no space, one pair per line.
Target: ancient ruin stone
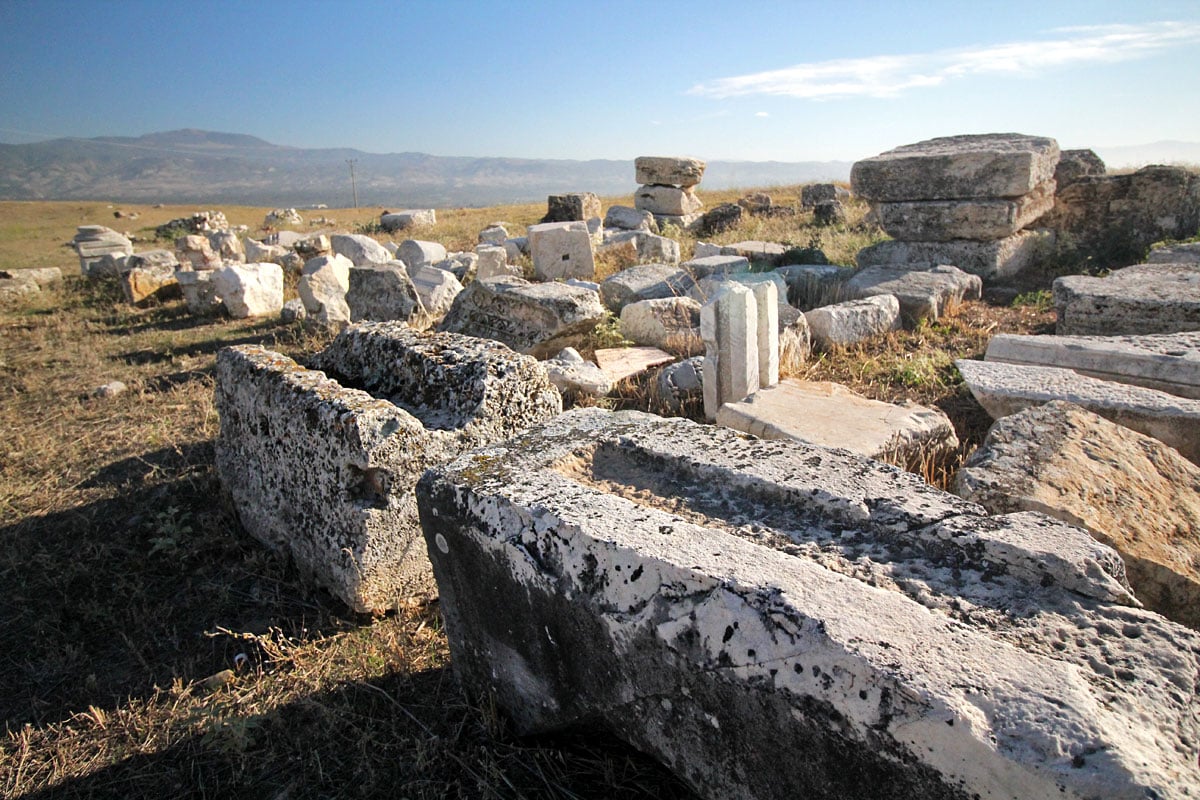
417,253
260,252
408,220
1168,362
282,216
322,287
680,384
729,328
463,266
1133,493
812,285
644,282
562,250
795,339
815,193
250,290
1187,253
93,242
539,319
572,374
668,170
669,323
576,206
829,212
1004,389
1146,298
756,203
832,415
719,219
667,200
313,246
715,265
1076,164
383,292
199,292
41,276
707,288
436,289
630,219
788,621
980,218
495,234
996,258
923,293
227,246
957,167
853,321
196,251
361,250
148,282
326,472
15,286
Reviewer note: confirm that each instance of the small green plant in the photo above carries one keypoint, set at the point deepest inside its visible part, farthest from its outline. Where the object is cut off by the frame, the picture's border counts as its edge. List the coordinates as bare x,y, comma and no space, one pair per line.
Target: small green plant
1041,299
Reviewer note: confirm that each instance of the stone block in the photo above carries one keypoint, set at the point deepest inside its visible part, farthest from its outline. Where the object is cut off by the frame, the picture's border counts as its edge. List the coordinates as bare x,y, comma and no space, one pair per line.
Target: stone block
684,222
991,260
150,282
361,250
227,246
1168,362
1076,164
41,276
260,252
561,250
93,242
416,253
795,339
199,292
766,301
196,251
408,219
853,321
832,415
649,247
957,167
14,286
493,234
729,329
668,170
573,207
571,373
815,193
679,384
812,285
1145,298
708,288
1133,493
719,219
927,293
790,621
383,292
464,266
671,324
979,218
323,285
250,290
620,363
539,319
151,259
436,289
1004,389
644,282
829,212
325,472
493,263
630,219
313,246
716,265
1188,253
667,200
755,251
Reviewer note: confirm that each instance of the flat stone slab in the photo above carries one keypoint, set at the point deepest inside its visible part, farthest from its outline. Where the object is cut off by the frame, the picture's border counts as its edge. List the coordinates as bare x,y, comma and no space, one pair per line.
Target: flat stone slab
1144,298
1004,389
990,165
1175,254
853,321
981,218
644,282
923,293
1133,493
619,363
326,472
831,415
668,170
996,258
1168,362
774,620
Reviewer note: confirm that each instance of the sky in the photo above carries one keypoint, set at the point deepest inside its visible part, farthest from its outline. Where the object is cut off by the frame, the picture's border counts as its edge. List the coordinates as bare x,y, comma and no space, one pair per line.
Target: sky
745,80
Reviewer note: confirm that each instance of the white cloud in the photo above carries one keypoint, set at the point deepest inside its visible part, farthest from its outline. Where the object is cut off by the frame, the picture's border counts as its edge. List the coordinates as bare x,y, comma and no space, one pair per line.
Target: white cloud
762,114
890,76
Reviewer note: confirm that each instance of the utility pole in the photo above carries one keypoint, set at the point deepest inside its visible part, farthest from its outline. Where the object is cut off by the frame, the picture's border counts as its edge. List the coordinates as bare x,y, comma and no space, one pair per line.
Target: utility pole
353,185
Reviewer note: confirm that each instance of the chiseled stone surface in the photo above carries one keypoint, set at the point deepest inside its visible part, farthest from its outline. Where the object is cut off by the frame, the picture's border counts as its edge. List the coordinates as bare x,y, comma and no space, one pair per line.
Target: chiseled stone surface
979,218
957,167
776,620
93,242
539,319
1004,389
670,323
1168,362
995,258
322,286
831,415
436,289
923,292
250,290
1132,492
326,472
1144,298
383,292
666,200
841,324
562,250
644,282
668,170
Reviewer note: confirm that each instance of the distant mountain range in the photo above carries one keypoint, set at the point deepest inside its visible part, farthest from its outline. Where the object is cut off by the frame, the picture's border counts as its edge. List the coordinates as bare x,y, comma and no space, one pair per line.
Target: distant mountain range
193,166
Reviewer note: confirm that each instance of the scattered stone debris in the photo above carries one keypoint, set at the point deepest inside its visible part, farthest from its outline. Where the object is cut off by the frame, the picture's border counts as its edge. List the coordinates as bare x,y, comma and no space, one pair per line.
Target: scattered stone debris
924,293
110,390
94,243
667,189
1145,298
200,222
841,324
572,374
283,216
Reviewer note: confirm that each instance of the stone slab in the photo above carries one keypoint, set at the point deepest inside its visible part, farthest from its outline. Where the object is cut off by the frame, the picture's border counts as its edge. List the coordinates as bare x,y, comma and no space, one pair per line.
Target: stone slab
831,415
1167,362
408,219
1145,298
1188,253
562,250
644,282
619,363
1133,493
853,321
1004,389
994,259
946,220
666,200
990,165
776,620
705,266
927,293
668,170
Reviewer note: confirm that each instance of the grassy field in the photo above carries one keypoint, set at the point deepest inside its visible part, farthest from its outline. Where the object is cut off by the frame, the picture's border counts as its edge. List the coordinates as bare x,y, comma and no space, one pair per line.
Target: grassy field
151,648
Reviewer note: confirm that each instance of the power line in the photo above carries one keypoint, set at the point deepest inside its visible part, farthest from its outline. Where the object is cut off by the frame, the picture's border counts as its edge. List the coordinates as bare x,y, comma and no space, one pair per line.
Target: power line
353,185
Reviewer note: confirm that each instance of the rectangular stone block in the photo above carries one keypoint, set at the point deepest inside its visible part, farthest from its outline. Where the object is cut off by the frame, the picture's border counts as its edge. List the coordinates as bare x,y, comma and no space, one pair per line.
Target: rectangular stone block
667,200
326,472
957,167
995,259
789,621
945,220
562,250
669,170
729,328
1144,298
576,206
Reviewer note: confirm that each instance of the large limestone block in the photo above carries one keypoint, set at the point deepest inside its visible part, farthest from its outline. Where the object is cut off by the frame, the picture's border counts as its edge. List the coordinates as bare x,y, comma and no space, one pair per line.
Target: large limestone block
418,253
361,250
668,170
649,248
853,321
16,286
142,284
831,415
562,250
436,289
1004,389
199,292
789,621
630,219
383,292
1146,298
195,250
1133,493
575,206
227,246
705,266
923,293
93,242
408,219
322,287
326,472
493,263
1168,362
1188,253
667,200
261,252
1076,164
668,323
996,258
729,328
707,288
957,167
644,282
980,218
250,290
539,319
815,193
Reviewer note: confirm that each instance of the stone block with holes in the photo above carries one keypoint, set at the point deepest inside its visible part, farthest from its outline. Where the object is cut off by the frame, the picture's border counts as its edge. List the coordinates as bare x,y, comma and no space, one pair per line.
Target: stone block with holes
322,464
562,250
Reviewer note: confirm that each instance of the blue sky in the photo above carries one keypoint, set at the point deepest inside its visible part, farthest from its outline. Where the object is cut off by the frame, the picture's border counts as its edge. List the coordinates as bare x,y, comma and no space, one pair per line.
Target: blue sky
789,81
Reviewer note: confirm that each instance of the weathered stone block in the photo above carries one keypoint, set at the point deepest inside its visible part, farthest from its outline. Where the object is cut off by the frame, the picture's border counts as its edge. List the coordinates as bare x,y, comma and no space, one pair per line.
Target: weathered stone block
323,285
383,292
815,193
227,246
853,321
361,250
571,373
250,290
408,219
668,200
957,167
980,218
644,282
927,293
729,328
436,289
668,170
716,265
649,248
417,253
812,285
196,251
630,219
993,259
1076,164
576,206
1146,298
1188,253
93,242
562,250
149,282
788,621
199,291
669,323
326,472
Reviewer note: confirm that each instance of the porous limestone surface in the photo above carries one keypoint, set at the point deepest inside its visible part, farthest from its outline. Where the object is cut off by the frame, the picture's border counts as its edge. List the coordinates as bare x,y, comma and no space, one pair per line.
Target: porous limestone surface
669,170
666,200
1004,389
992,165
979,218
326,472
853,321
419,253
1168,362
383,292
561,250
1144,298
361,250
670,323
923,292
995,258
249,290
1133,493
436,288
644,282
774,620
199,292
322,287
539,319
1188,253
571,372
831,415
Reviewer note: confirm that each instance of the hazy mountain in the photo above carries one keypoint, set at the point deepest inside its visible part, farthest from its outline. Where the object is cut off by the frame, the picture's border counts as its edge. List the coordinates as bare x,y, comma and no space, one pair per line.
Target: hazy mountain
192,166
1138,155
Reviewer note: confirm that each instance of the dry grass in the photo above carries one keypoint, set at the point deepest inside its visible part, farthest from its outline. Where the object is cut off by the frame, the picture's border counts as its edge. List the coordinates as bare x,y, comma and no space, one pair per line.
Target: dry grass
151,648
